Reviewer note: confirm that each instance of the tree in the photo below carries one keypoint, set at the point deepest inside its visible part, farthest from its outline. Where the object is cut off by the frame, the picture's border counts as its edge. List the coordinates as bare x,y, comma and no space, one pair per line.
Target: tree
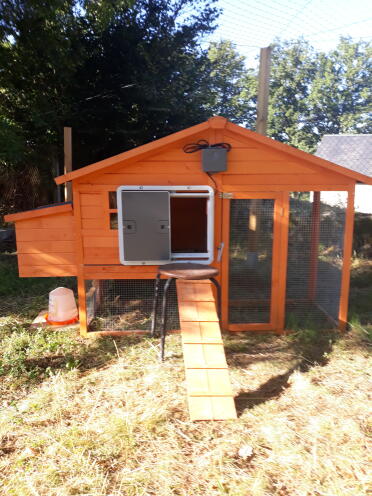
121,72
341,94
293,69
313,93
232,87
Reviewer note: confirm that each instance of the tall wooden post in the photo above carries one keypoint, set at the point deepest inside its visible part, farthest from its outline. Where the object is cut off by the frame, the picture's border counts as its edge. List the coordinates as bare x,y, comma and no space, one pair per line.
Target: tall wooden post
263,90
261,127
67,148
347,254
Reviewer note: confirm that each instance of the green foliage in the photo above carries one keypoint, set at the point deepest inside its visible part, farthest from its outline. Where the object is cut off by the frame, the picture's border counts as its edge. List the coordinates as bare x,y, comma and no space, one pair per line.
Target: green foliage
121,73
232,88
312,93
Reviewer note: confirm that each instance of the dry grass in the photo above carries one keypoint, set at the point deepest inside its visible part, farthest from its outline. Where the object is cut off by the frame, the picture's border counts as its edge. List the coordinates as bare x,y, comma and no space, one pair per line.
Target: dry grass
116,423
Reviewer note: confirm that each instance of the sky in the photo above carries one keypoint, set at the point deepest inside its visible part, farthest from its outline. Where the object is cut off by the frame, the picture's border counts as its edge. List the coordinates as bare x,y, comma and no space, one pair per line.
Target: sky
252,24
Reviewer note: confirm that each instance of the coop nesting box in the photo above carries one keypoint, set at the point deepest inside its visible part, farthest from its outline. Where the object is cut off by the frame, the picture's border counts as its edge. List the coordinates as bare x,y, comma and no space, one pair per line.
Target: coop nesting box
283,252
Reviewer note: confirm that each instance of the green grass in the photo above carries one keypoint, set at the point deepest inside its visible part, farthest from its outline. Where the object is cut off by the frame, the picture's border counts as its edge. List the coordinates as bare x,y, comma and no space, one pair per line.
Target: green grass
102,417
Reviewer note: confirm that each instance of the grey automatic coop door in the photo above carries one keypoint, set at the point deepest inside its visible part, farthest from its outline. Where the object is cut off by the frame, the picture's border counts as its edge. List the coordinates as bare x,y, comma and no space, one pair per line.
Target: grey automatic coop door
145,226
145,223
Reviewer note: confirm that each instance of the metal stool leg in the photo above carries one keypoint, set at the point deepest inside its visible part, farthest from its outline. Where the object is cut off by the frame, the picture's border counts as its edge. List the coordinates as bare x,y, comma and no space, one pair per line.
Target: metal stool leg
218,287
163,331
155,305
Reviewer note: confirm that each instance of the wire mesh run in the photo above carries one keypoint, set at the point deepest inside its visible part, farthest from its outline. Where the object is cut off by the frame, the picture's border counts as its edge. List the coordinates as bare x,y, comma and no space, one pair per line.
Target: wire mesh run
126,304
250,260
315,257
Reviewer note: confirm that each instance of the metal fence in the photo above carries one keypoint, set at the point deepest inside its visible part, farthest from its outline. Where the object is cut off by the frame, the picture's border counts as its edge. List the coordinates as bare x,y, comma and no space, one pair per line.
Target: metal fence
315,252
126,304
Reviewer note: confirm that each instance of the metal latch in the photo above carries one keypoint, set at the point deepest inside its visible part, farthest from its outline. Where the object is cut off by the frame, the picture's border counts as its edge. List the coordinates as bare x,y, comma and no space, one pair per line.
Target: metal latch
220,251
226,196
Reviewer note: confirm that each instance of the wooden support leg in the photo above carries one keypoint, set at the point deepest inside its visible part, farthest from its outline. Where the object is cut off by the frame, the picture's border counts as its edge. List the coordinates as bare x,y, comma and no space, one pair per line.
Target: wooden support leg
82,307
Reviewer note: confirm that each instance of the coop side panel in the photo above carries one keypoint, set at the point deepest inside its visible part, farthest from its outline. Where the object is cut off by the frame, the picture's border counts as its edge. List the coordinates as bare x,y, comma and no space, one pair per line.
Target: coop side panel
45,246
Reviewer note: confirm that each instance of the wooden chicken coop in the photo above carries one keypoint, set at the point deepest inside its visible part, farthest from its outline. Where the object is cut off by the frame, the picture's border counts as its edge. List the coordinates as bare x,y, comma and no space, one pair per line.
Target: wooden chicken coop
257,211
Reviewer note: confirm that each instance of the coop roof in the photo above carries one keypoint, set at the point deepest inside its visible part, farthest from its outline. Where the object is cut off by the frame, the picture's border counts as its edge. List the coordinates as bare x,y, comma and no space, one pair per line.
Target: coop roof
353,151
53,209
214,123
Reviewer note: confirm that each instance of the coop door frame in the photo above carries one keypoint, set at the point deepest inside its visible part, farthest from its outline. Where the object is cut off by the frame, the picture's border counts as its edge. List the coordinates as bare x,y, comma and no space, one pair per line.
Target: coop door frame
279,250
202,191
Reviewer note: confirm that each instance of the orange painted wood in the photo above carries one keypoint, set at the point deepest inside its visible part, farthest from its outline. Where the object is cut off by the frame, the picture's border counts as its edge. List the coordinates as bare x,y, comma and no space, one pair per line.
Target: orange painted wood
283,187
60,221
91,212
159,167
98,233
207,378
208,382
201,332
98,242
45,247
346,266
282,269
101,223
35,259
250,327
295,152
225,263
287,179
44,235
39,212
174,179
80,262
211,408
101,255
204,356
90,273
198,311
198,291
47,270
91,199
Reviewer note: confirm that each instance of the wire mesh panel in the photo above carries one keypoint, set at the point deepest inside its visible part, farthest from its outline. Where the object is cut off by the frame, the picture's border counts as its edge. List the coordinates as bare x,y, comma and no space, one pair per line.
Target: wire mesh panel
315,250
126,304
250,260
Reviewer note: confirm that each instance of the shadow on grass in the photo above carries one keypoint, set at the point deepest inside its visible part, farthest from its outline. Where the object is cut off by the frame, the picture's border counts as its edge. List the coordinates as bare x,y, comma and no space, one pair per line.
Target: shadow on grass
312,347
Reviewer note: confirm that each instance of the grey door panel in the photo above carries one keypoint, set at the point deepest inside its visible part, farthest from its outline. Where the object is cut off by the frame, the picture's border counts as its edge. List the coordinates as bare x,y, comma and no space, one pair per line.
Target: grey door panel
146,225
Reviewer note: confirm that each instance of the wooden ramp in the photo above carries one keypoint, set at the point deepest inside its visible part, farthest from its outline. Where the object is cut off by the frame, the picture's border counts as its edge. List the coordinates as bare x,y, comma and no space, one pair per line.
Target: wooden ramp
209,391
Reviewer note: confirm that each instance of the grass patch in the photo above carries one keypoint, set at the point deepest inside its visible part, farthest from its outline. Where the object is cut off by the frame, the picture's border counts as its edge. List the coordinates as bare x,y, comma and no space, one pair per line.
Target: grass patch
102,417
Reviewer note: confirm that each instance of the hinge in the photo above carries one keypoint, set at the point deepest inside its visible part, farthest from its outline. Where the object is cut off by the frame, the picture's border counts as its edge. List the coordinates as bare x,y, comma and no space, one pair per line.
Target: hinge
226,196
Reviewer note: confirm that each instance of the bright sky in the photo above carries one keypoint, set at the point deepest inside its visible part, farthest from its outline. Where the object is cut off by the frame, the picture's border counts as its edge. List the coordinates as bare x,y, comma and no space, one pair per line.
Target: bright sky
252,24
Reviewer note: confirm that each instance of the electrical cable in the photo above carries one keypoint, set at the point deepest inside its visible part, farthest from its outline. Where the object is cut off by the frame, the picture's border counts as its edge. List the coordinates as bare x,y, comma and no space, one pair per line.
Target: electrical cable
202,144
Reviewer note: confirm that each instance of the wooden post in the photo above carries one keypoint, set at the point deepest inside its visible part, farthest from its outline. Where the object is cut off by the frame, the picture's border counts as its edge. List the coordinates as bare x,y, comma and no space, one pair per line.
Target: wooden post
67,148
314,248
346,266
282,275
263,90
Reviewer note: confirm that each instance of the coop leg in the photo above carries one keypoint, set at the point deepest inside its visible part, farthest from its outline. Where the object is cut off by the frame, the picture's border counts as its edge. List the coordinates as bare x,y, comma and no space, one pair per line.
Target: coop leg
155,305
163,331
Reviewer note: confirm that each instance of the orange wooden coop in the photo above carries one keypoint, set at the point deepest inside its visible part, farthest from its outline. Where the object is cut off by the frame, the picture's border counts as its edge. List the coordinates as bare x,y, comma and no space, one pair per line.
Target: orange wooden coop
259,213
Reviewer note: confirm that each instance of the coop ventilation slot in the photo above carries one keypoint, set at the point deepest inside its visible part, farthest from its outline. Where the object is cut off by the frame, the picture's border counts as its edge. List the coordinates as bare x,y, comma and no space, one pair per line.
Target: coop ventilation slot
160,224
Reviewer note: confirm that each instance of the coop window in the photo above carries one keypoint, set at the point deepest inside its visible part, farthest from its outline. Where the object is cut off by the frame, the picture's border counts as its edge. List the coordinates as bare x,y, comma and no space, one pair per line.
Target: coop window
159,224
113,210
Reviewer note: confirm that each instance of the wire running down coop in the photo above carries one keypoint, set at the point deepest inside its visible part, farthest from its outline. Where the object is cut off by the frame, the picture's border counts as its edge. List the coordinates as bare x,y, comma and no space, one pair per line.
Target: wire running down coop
126,305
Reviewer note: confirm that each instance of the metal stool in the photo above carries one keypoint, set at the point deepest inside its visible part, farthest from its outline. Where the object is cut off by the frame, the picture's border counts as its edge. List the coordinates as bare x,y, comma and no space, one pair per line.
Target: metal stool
185,271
